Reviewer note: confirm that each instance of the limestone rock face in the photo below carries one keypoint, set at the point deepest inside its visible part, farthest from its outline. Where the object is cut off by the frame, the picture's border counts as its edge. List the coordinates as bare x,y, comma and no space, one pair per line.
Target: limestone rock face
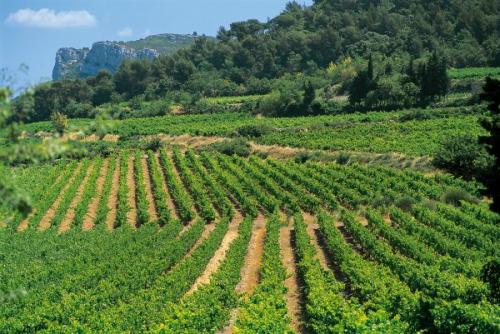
68,62
80,63
109,56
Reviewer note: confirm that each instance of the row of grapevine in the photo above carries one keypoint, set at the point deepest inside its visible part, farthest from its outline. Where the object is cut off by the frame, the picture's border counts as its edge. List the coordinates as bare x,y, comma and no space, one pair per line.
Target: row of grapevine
247,203
218,194
481,213
374,285
379,288
462,234
69,194
181,198
143,216
428,279
265,310
308,202
416,250
269,203
288,202
83,259
351,191
88,193
122,205
463,219
51,195
209,308
160,195
103,209
168,286
314,186
327,309
439,241
195,186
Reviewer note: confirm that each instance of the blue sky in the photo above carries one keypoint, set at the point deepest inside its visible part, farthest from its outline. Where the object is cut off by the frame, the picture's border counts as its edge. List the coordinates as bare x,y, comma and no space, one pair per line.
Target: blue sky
31,31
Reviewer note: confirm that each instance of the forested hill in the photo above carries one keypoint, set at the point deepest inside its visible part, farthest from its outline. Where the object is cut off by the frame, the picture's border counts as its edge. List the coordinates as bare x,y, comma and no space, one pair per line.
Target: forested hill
466,31
326,44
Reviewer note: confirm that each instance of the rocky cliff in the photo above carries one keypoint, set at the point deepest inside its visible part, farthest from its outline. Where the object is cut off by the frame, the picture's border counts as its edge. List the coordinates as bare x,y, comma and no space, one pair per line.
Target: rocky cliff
80,63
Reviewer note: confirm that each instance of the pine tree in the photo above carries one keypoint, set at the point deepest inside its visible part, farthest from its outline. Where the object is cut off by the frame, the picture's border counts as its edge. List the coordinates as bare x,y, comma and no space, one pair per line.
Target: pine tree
362,84
370,68
309,94
491,94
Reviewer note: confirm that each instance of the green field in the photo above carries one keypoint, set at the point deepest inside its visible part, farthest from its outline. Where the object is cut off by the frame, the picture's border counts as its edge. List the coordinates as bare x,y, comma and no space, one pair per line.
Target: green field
378,132
137,266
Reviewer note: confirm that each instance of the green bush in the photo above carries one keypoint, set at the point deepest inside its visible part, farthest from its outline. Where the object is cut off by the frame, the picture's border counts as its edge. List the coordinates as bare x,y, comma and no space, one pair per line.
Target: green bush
254,130
238,146
463,156
456,196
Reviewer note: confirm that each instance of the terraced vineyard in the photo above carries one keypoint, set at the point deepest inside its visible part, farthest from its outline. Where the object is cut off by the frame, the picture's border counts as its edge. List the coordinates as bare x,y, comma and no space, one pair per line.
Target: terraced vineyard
176,242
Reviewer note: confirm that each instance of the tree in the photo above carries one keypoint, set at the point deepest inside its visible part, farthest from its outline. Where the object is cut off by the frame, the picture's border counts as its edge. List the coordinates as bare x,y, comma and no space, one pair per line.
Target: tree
433,78
309,94
463,156
362,84
60,122
491,94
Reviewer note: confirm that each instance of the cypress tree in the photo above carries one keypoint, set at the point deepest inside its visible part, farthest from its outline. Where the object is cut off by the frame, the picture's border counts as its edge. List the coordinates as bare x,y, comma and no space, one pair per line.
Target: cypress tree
491,94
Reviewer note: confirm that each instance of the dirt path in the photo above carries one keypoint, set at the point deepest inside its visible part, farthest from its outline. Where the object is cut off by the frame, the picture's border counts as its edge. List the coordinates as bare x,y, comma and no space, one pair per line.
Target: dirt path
24,224
219,255
324,257
113,197
132,212
362,219
90,216
293,298
149,189
251,268
51,212
250,271
70,214
171,205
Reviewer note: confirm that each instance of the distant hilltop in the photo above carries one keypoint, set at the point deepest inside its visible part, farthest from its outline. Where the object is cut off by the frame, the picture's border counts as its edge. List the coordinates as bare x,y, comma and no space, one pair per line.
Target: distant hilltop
80,63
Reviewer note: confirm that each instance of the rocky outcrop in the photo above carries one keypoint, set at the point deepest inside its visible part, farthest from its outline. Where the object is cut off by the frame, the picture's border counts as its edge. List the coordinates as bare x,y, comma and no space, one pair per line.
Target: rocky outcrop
81,63
68,62
109,56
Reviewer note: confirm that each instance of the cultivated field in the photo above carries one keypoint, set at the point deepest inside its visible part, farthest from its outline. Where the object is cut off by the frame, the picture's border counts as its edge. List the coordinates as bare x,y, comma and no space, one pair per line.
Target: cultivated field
181,242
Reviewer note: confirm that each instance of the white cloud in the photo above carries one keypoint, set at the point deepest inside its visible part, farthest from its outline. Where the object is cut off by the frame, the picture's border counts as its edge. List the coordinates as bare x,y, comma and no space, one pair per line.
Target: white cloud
49,18
125,32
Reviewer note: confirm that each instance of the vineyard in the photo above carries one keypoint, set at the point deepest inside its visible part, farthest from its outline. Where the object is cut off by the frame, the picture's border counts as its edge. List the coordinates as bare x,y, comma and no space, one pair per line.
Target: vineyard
180,242
413,132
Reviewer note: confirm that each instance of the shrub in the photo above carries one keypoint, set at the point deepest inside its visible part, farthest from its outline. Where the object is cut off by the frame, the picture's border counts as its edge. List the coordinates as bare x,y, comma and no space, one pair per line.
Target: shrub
254,131
59,122
491,275
343,158
415,115
238,146
405,203
455,196
463,156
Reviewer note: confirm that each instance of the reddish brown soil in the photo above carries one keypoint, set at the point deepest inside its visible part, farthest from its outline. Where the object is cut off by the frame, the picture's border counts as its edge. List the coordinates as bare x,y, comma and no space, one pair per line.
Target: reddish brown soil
113,198
149,191
220,254
70,214
51,212
88,221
